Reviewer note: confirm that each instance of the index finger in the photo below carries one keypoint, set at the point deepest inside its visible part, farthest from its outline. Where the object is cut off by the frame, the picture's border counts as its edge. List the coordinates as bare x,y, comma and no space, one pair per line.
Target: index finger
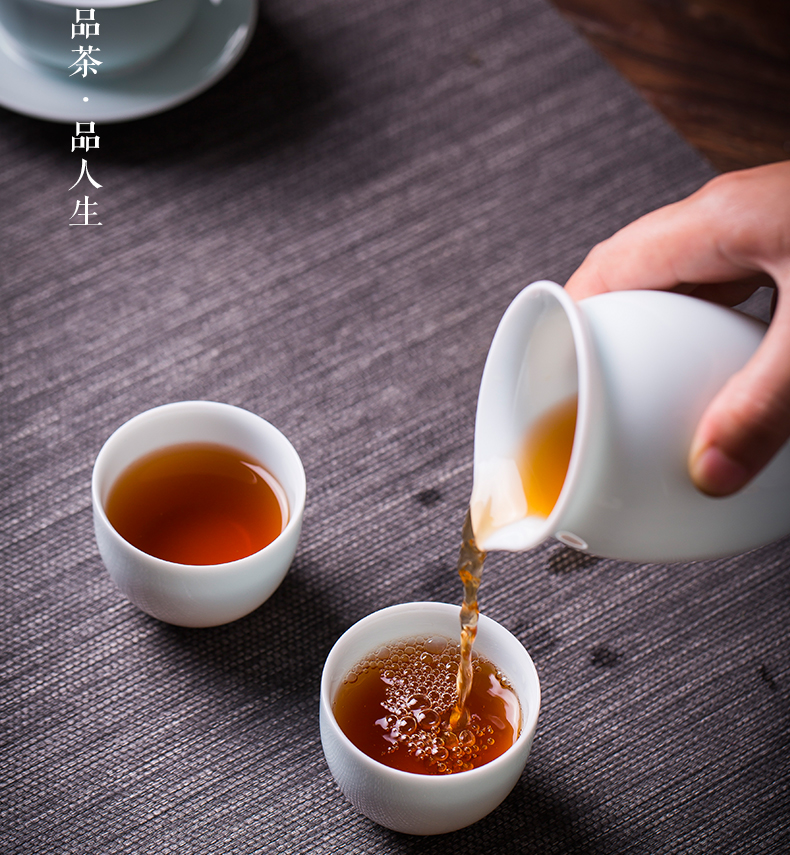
704,238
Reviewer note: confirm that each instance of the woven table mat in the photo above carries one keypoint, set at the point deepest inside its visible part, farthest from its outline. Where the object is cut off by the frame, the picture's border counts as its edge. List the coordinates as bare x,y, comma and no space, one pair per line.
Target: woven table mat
328,238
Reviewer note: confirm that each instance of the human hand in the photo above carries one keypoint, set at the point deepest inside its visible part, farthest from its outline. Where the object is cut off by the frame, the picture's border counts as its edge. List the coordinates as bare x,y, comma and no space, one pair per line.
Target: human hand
721,243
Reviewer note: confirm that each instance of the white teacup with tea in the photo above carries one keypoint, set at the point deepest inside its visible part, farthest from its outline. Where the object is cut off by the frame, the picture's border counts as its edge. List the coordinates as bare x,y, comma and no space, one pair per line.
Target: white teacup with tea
585,418
197,508
386,692
122,34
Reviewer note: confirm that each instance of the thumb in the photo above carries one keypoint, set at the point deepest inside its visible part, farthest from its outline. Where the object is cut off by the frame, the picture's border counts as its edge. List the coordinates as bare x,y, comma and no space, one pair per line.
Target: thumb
749,419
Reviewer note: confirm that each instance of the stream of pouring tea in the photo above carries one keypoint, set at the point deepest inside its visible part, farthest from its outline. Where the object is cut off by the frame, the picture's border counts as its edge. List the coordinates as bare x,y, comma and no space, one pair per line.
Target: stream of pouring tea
542,466
470,569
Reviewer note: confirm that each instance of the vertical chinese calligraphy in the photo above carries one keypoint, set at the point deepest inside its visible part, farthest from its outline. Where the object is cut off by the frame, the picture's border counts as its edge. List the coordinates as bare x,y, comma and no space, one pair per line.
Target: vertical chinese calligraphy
85,62
85,214
85,137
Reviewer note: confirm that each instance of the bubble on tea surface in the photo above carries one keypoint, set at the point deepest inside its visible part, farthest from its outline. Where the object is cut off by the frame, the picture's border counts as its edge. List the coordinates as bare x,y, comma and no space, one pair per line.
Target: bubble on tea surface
435,645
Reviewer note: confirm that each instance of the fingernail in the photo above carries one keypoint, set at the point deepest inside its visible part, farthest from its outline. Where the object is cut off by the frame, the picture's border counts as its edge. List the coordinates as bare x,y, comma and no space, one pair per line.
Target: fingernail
717,474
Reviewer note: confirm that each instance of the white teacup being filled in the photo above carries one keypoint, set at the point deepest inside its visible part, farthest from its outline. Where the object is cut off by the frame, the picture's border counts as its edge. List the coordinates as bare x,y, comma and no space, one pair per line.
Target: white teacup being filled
439,798
585,420
197,509
105,36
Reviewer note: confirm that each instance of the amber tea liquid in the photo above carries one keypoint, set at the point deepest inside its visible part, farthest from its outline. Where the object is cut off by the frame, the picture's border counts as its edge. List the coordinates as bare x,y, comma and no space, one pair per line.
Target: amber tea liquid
543,466
470,569
541,462
197,503
545,455
396,705
432,706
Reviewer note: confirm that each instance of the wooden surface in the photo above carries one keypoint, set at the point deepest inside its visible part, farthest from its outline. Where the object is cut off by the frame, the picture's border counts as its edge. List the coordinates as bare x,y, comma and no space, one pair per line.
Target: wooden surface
719,70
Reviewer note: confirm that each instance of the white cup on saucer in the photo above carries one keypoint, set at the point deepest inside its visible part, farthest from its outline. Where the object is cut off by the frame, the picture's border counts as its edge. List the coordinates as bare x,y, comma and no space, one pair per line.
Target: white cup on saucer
199,594
123,34
416,803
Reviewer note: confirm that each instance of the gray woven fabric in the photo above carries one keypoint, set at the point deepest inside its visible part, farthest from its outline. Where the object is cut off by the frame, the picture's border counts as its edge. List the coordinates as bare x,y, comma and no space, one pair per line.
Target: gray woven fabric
328,238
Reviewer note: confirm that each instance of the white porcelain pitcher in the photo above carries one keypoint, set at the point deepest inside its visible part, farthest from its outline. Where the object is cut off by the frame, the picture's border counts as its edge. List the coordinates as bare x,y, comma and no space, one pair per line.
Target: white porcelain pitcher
644,365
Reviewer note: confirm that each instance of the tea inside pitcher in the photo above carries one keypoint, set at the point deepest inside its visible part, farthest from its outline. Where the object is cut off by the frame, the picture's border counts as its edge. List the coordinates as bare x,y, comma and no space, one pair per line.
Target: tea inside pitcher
544,456
527,483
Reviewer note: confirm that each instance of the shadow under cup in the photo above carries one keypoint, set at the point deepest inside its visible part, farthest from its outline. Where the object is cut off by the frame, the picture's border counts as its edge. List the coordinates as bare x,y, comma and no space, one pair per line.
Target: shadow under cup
200,594
410,802
123,34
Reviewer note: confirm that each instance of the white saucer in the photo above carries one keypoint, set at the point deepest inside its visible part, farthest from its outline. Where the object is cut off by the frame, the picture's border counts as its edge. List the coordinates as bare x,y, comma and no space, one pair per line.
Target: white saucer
214,42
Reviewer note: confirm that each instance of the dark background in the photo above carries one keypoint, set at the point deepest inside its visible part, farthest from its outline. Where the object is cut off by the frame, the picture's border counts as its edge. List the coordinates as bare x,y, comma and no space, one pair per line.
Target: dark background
718,70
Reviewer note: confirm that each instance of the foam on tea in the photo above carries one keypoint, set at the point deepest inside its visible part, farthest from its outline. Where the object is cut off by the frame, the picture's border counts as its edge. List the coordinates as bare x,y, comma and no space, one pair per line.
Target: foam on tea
395,705
197,503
